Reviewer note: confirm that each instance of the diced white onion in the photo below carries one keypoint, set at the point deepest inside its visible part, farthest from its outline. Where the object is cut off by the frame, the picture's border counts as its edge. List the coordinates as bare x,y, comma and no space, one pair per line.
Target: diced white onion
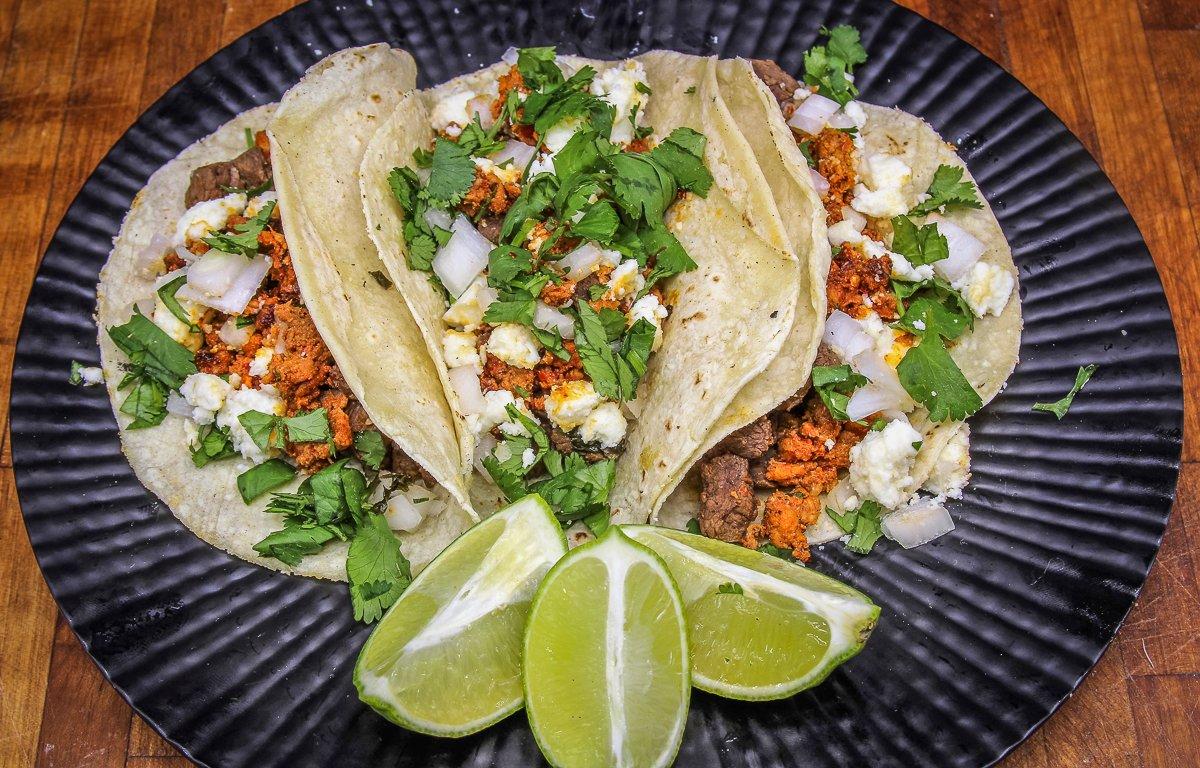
483,448
510,56
841,120
548,318
813,114
517,151
846,335
463,258
234,336
402,514
825,529
819,182
869,399
436,217
964,249
150,258
856,219
465,381
872,365
168,277
918,524
224,281
178,406
580,262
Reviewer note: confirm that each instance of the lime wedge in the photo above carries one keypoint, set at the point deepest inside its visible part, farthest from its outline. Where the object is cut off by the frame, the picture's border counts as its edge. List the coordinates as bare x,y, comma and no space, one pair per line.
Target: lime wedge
446,658
606,662
760,628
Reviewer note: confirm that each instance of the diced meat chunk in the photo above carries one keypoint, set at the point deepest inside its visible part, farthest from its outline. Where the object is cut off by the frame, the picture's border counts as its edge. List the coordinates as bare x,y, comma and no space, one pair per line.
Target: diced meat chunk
782,84
727,504
751,441
246,171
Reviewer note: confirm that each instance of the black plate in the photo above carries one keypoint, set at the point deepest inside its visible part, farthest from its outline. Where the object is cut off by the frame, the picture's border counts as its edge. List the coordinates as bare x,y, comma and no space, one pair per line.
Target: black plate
983,633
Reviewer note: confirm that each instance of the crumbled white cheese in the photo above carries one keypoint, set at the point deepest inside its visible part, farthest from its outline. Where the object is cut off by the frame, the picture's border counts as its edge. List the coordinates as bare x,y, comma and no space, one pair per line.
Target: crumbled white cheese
904,270
176,328
854,111
507,174
466,313
239,401
514,344
604,426
452,112
528,456
650,309
91,376
952,469
459,349
623,86
495,413
881,465
569,404
261,362
208,216
880,194
205,394
986,288
625,281
881,334
258,202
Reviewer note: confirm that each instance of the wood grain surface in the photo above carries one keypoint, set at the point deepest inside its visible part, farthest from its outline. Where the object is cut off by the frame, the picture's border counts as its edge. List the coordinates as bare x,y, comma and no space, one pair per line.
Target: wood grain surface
1123,74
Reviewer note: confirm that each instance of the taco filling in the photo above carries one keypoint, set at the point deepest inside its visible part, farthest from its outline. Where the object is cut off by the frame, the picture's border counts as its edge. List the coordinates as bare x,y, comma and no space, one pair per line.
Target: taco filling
539,212
226,344
905,285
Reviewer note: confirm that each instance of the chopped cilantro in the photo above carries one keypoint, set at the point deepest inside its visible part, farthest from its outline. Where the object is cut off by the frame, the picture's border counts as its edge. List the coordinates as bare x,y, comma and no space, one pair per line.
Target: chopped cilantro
948,191
370,448
146,403
834,385
249,136
930,375
682,155
693,525
537,67
1060,407
863,524
926,315
451,176
826,66
157,365
774,551
245,242
166,294
213,445
377,570
690,90
267,476
730,588
295,541
918,245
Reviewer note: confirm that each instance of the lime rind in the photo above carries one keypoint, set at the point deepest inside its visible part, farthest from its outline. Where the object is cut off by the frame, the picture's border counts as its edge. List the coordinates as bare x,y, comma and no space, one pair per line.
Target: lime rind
597,549
525,541
850,614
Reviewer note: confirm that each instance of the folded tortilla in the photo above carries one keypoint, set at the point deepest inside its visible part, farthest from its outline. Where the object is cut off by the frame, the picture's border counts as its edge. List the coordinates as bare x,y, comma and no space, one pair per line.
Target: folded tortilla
730,317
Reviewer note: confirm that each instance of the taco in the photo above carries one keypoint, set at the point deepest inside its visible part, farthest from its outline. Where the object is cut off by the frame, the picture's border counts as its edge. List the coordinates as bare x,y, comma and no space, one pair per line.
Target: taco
233,374
923,328
596,264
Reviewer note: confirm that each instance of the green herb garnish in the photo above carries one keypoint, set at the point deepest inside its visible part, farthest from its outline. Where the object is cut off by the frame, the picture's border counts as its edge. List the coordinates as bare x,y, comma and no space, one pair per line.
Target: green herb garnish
1060,407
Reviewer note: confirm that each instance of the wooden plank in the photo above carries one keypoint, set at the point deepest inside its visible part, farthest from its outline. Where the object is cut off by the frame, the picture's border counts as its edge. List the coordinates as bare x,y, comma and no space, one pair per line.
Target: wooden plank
178,761
144,741
241,16
85,722
182,36
1171,14
1176,63
1168,719
1160,637
976,22
1125,101
1045,56
1093,727
919,6
26,635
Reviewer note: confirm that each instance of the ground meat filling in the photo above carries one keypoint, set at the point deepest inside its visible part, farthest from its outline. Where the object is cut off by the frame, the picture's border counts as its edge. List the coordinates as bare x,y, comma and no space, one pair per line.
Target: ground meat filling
727,503
833,152
783,86
489,196
859,284
508,81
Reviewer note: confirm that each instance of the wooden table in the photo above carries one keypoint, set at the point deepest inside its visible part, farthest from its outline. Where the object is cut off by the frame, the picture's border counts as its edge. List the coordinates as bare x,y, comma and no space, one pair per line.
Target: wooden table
1123,74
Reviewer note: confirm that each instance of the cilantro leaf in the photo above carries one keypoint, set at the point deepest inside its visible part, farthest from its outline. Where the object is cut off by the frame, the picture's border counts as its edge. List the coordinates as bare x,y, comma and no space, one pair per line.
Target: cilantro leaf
834,385
826,66
919,245
166,295
452,174
246,241
642,187
506,263
774,551
667,253
262,429
214,445
267,476
294,542
948,191
376,568
370,448
147,404
693,527
682,154
925,315
863,524
537,67
591,342
309,427
511,308
730,588
154,354
1060,407
599,223
553,341
576,489
934,380
477,140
